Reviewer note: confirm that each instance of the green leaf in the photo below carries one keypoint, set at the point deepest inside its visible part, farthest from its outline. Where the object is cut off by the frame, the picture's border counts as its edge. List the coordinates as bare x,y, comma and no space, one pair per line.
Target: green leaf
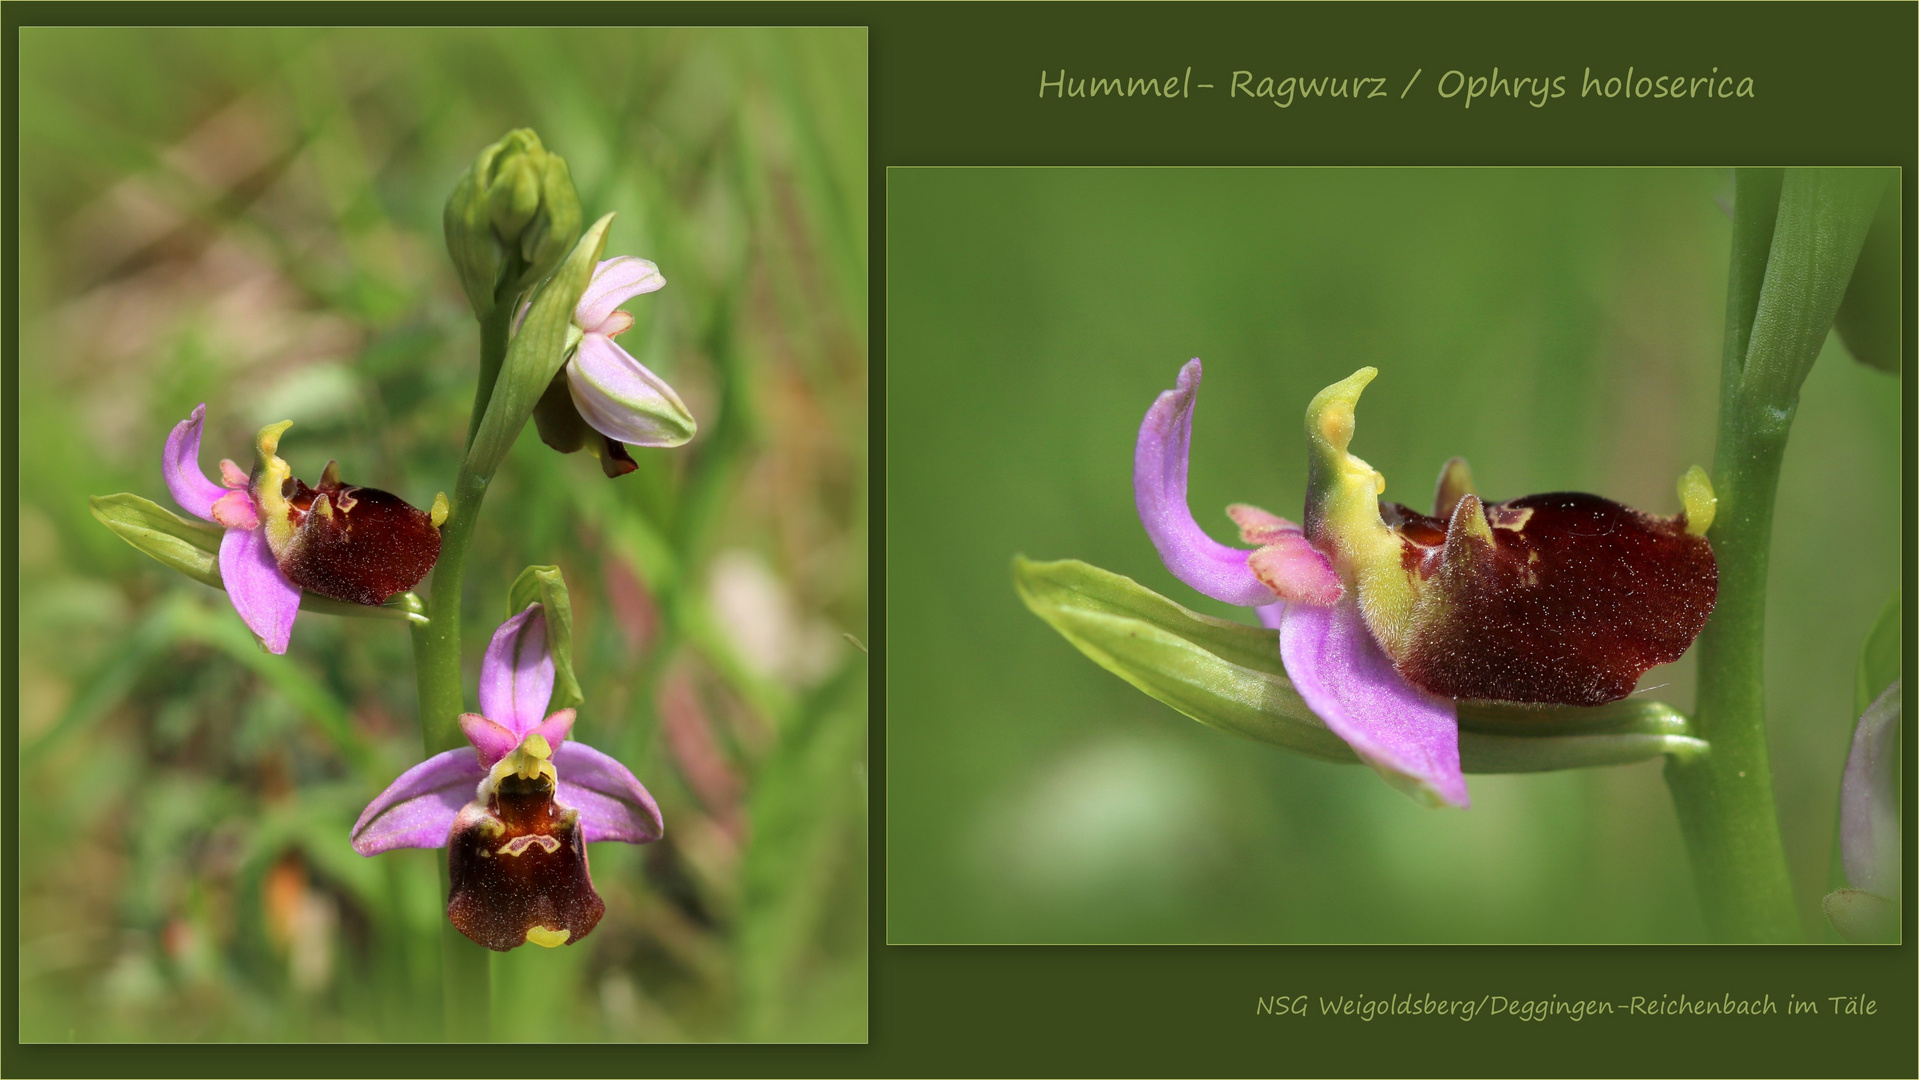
191,547
1229,676
543,585
536,353
1878,658
1868,319
1824,215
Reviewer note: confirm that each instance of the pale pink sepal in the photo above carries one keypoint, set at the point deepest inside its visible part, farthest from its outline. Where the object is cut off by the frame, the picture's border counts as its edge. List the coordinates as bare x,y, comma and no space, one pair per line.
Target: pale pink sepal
615,281
612,802
418,808
180,464
1159,491
1409,735
516,674
1869,842
621,398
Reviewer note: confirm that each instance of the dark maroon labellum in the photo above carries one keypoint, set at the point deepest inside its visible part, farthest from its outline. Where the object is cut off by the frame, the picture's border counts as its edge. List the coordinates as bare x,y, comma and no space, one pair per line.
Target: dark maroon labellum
518,863
357,544
1569,602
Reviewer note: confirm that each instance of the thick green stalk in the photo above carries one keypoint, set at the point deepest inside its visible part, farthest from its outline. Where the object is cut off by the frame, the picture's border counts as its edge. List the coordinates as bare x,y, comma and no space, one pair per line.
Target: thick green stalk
464,967
1795,239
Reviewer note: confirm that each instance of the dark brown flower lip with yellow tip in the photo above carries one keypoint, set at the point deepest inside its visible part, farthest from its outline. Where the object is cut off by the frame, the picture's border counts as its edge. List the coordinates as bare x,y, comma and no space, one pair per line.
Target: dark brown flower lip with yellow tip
358,544
517,870
1564,598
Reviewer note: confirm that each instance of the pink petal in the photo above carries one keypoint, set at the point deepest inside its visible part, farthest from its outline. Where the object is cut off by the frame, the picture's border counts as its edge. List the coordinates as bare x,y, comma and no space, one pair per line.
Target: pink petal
1869,799
554,729
1271,614
180,464
1409,735
266,600
235,510
232,475
417,810
613,804
1294,570
489,739
516,674
615,281
621,399
1159,490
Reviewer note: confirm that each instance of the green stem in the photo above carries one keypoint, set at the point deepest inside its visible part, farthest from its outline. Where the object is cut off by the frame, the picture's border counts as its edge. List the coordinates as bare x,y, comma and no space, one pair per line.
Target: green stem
1795,239
464,966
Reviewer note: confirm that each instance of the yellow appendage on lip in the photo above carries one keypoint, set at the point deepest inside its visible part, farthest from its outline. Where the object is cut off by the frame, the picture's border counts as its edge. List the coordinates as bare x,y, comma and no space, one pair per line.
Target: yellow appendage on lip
547,939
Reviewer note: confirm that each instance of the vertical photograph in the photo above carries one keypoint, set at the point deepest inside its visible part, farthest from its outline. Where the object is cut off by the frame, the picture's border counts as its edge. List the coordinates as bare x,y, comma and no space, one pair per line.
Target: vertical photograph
443,535
1524,542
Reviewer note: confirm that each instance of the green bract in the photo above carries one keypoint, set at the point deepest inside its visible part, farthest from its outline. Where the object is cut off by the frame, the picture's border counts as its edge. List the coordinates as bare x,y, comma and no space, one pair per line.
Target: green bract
536,353
543,585
1229,676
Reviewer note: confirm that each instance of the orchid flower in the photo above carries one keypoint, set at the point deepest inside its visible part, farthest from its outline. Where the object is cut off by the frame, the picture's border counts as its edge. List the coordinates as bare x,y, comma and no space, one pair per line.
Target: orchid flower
1387,616
517,808
356,544
609,400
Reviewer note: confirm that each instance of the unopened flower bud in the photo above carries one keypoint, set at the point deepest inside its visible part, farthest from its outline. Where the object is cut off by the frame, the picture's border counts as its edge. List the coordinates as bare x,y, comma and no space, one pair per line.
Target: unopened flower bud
510,219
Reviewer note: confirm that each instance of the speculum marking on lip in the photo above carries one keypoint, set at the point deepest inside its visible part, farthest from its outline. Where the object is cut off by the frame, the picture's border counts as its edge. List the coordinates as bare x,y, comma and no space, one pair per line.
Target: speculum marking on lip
1567,599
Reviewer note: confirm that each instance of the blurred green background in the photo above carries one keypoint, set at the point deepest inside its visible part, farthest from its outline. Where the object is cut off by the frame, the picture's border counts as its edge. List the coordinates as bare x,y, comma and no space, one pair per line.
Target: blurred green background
1559,328
251,218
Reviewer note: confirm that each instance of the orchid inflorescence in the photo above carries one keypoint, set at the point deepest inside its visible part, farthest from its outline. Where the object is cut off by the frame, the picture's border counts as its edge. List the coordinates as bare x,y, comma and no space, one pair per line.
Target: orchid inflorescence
518,805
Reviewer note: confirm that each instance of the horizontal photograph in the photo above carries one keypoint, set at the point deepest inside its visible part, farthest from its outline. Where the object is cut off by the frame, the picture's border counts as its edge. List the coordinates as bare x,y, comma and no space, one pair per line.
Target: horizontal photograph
1358,556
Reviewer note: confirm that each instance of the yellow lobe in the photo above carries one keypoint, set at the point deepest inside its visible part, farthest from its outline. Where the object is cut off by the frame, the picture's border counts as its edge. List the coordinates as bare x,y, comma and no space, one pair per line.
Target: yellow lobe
1696,495
270,472
440,510
1342,512
547,939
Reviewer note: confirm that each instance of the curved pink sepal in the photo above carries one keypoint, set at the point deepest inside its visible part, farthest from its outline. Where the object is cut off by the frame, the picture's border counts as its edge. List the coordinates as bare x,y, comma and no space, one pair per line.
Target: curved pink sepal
1159,491
516,674
1409,735
266,600
180,464
615,281
612,802
418,808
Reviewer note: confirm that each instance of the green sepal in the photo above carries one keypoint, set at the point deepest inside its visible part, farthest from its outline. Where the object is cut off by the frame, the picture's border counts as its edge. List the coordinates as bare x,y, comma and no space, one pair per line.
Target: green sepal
1878,658
543,585
536,354
1229,676
1868,317
191,547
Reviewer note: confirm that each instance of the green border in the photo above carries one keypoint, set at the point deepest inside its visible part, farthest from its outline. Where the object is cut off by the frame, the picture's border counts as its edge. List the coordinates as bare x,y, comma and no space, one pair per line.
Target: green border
953,85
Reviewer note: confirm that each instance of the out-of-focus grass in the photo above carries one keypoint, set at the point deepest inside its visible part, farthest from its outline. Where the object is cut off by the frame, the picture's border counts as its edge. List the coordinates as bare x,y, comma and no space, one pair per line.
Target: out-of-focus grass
250,218
1559,328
